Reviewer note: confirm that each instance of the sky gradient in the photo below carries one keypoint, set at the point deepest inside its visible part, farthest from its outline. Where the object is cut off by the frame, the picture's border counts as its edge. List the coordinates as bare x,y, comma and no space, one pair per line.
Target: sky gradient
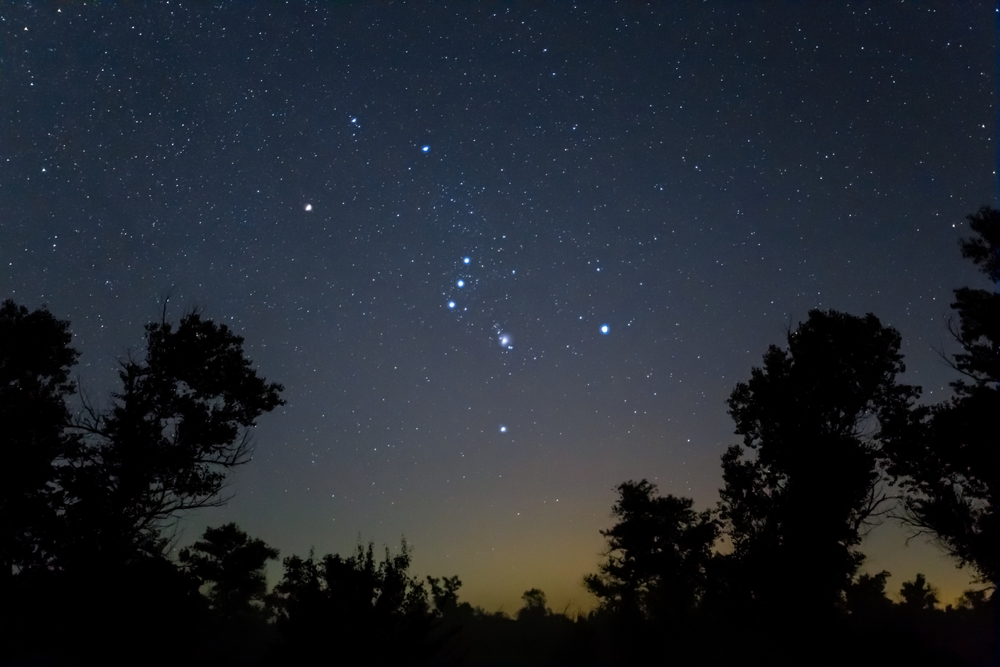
421,218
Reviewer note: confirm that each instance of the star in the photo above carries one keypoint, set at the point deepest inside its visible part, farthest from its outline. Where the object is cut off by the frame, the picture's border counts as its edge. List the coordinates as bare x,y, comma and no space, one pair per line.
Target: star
460,283
605,329
308,207
425,149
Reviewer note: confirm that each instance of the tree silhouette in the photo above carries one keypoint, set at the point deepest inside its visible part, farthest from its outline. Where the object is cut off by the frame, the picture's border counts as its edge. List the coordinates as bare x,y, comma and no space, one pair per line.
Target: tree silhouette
444,593
232,564
657,555
178,425
918,595
83,502
816,416
376,605
534,605
950,462
974,599
35,360
866,596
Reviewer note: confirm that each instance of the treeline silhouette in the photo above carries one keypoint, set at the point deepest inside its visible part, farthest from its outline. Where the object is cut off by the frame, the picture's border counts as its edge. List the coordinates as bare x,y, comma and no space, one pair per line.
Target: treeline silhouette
832,443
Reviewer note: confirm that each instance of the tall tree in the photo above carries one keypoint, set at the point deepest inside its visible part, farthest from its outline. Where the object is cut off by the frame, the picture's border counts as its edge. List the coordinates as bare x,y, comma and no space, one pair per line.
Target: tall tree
232,564
866,596
950,462
658,552
444,593
35,360
179,424
918,595
815,416
534,605
83,502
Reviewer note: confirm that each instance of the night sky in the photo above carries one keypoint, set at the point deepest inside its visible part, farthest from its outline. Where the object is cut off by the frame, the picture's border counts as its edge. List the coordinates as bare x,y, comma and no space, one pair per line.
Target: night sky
502,256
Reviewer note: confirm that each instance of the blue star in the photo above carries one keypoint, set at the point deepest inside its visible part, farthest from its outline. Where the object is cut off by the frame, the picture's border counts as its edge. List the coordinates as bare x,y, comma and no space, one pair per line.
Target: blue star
451,304
605,329
425,149
466,260
460,283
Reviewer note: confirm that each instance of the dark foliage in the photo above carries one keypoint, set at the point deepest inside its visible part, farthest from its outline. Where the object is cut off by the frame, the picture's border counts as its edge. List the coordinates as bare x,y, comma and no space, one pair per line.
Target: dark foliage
83,504
535,605
228,566
918,595
984,249
655,574
444,594
535,636
231,565
866,597
35,360
146,612
658,555
949,463
177,426
322,604
816,415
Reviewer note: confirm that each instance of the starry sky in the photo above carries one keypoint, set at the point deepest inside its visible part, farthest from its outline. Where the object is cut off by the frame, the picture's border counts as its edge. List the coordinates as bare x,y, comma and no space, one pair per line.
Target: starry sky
503,256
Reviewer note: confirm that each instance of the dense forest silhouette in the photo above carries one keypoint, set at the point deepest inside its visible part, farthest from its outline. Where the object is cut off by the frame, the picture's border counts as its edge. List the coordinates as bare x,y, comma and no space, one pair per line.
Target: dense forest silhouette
832,443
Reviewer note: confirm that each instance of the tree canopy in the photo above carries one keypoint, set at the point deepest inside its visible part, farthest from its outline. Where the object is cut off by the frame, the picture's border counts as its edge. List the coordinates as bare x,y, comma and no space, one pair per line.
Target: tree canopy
231,564
816,416
949,463
657,556
35,362
374,604
173,431
100,488
918,595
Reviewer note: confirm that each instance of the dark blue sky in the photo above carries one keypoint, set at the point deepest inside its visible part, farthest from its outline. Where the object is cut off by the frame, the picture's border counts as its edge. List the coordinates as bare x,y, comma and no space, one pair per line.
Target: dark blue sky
694,176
